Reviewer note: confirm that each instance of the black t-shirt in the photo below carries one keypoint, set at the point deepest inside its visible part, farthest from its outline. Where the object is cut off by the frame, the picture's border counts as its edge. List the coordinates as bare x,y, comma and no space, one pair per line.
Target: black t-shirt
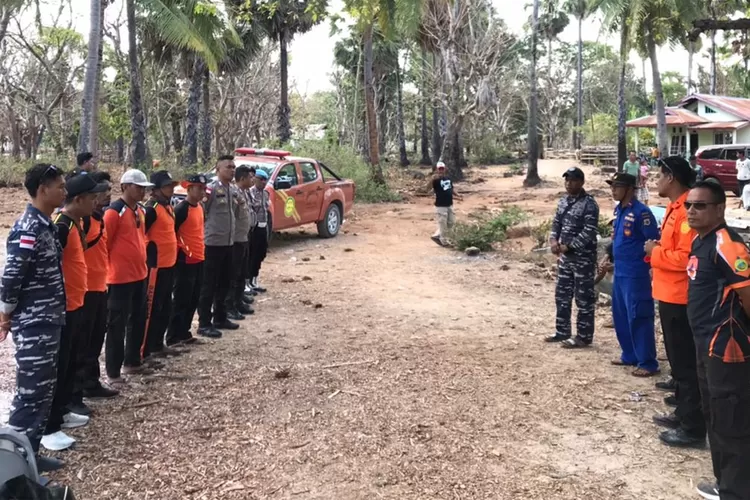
719,265
443,188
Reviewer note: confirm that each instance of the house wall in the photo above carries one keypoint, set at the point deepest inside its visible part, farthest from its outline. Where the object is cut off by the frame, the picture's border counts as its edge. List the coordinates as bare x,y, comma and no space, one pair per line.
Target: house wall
743,136
719,116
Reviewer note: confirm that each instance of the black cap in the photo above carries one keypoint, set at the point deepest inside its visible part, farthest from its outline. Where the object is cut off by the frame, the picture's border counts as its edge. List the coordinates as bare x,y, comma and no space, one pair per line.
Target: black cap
84,184
574,173
194,179
680,170
162,178
622,179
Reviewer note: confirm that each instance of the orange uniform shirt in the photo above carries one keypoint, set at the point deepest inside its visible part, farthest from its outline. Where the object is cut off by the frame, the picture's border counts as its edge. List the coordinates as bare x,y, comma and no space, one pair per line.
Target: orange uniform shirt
96,255
73,261
189,221
161,239
126,243
670,259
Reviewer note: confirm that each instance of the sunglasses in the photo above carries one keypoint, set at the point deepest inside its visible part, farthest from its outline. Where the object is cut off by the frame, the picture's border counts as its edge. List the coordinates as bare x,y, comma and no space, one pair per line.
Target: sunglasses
698,205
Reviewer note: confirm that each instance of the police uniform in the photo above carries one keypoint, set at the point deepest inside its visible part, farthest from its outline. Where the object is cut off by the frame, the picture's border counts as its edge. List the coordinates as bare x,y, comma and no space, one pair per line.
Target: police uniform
32,292
576,226
217,268
240,251
632,301
259,237
719,265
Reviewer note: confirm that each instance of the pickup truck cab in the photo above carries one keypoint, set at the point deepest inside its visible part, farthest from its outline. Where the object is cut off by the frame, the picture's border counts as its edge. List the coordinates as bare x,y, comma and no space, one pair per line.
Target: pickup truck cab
302,190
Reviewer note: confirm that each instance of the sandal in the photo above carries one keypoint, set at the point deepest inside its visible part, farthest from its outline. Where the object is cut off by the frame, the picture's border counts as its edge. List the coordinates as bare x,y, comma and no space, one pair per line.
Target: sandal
643,373
574,343
620,362
556,338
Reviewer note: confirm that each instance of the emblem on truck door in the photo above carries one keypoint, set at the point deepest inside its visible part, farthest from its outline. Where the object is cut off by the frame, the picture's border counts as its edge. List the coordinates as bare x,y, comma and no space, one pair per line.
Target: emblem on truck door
290,207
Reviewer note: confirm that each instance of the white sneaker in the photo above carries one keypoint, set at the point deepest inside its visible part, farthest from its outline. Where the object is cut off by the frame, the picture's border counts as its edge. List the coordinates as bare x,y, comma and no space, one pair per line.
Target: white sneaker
57,441
74,420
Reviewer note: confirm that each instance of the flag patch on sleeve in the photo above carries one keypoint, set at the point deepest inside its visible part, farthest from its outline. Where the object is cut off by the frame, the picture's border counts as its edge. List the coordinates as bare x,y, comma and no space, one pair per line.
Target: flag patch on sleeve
27,242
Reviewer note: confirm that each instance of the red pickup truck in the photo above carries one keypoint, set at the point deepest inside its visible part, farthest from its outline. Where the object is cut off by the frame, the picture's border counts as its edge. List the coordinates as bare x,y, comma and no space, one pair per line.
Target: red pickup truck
302,190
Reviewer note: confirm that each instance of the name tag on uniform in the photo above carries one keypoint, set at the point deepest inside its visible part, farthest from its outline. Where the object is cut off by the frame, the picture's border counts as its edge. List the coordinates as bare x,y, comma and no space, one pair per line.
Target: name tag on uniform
262,224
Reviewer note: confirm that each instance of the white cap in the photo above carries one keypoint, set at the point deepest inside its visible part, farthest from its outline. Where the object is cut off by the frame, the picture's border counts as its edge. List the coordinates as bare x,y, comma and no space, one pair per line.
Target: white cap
440,164
135,176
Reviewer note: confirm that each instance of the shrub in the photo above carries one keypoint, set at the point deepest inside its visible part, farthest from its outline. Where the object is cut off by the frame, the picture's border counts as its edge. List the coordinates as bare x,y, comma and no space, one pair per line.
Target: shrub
488,152
485,229
605,228
348,164
540,233
13,170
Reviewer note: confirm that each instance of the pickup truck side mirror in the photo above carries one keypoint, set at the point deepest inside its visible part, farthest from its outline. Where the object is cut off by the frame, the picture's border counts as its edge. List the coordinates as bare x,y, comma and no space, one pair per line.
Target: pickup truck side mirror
282,184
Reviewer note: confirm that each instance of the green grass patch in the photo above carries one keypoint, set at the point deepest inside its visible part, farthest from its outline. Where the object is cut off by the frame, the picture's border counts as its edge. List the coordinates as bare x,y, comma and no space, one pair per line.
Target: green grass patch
486,229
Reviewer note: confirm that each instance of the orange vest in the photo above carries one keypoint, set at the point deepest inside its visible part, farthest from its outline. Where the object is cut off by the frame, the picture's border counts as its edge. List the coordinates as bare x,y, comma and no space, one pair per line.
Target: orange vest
161,238
73,263
670,258
97,258
126,243
191,235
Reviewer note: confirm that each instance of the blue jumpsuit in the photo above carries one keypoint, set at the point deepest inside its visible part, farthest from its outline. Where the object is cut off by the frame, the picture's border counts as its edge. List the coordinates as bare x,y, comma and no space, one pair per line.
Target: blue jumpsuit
632,302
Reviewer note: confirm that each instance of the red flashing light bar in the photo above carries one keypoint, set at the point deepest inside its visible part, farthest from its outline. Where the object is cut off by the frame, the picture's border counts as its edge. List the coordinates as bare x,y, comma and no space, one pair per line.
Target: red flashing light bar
262,152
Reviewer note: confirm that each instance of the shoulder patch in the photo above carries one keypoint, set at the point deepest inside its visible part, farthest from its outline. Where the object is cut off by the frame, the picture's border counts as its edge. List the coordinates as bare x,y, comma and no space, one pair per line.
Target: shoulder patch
685,227
740,265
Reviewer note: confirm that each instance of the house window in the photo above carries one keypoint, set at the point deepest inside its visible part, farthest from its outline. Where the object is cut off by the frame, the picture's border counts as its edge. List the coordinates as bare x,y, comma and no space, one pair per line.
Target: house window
710,110
723,138
678,145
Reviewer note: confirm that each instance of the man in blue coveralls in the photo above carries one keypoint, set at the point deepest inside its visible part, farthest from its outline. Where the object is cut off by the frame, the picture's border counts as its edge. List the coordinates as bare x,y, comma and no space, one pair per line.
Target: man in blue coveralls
632,303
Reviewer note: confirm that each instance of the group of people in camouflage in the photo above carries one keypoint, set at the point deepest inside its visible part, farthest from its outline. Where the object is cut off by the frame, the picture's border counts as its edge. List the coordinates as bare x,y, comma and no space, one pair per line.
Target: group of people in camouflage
84,272
698,270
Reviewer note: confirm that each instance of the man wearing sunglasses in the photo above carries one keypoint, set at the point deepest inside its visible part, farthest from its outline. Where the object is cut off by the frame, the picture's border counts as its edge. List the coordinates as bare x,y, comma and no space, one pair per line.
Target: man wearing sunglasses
669,258
718,309
632,303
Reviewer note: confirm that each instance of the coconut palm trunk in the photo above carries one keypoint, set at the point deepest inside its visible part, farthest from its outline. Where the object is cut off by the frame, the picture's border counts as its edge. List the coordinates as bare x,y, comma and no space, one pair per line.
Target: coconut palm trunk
622,110
579,84
88,103
205,118
139,154
403,157
190,157
662,137
532,173
370,112
285,127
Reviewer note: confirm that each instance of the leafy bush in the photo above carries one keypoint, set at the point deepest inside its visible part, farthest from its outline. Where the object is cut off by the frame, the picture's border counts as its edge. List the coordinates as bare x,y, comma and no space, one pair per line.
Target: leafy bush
605,228
488,152
13,171
348,164
540,233
485,229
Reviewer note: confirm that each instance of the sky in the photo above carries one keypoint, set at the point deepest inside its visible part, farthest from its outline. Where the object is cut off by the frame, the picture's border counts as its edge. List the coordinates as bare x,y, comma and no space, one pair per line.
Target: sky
311,54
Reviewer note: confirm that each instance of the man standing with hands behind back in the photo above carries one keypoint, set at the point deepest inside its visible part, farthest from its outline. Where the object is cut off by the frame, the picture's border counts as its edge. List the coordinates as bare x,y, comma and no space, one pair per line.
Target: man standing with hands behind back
573,239
219,237
669,259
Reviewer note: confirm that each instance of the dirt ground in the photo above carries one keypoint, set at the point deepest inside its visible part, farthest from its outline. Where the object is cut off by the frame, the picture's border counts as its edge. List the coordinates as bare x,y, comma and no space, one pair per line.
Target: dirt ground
415,372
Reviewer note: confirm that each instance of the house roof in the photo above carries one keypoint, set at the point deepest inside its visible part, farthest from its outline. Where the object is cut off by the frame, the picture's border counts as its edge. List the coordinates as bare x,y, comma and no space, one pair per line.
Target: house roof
719,126
675,116
737,106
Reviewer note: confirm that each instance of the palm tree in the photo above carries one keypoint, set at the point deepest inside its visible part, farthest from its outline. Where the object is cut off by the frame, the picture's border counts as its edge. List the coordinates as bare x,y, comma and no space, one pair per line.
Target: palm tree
386,13
88,104
282,20
580,9
176,29
532,172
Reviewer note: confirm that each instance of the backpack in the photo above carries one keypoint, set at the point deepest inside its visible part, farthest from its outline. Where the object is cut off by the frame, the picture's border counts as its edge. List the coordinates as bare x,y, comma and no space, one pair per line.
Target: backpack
16,456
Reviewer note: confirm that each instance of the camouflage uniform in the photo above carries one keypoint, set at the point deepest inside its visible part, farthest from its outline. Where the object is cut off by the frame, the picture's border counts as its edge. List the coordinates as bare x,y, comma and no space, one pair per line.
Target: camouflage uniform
576,226
32,292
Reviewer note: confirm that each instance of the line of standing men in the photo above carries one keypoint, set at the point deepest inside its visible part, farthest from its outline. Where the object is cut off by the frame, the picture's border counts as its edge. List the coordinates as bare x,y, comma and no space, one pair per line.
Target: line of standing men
700,272
80,267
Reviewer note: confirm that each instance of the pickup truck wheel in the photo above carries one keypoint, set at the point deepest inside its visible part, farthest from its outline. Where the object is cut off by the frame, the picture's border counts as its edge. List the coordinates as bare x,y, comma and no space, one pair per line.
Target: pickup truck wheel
331,223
